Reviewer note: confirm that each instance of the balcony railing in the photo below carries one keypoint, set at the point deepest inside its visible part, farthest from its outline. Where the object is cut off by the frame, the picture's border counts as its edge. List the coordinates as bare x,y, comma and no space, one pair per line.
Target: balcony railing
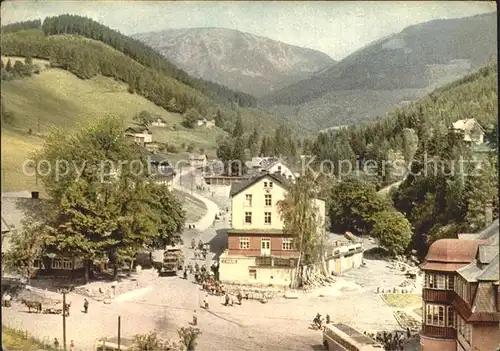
436,295
439,332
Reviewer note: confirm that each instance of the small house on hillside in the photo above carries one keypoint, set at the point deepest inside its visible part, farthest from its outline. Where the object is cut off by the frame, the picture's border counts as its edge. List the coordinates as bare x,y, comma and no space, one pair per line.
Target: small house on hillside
14,209
206,123
161,169
472,130
140,136
159,123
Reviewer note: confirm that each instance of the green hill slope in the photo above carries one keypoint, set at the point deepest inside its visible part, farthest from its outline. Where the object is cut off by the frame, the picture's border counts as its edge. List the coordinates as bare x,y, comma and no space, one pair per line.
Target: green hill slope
87,49
58,98
474,96
401,67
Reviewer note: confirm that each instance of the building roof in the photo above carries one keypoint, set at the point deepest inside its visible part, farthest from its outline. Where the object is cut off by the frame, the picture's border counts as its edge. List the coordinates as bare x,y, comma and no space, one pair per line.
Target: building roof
5,226
453,251
490,273
490,233
470,272
138,130
441,266
487,253
237,188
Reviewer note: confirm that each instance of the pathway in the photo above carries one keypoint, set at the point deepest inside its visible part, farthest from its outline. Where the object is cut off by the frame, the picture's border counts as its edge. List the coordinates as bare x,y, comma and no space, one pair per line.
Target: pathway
212,209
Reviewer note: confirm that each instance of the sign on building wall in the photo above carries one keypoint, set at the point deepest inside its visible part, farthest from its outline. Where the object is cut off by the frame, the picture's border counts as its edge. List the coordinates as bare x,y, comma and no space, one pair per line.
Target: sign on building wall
229,261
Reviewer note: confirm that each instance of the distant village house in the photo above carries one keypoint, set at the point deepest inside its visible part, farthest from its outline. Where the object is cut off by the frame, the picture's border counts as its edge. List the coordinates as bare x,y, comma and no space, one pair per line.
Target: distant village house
472,130
140,136
159,123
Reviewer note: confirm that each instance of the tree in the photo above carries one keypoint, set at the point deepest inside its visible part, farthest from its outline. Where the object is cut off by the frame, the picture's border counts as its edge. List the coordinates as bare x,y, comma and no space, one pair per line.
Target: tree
238,130
254,143
103,204
393,230
352,205
219,119
188,337
151,342
26,247
8,67
190,118
410,144
232,153
28,60
300,216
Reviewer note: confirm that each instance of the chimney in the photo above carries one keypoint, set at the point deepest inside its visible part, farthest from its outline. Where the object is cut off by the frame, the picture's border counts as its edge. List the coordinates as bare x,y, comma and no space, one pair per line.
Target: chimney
488,212
34,195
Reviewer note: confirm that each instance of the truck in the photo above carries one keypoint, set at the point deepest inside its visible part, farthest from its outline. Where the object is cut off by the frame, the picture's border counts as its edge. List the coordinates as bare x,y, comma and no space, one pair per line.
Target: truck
169,260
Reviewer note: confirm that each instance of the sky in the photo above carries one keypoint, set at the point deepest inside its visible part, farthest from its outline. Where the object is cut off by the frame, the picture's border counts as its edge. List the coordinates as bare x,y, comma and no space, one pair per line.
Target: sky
335,28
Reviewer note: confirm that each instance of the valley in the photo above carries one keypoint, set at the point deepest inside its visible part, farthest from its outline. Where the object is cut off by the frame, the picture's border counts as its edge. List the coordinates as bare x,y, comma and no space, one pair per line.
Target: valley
196,186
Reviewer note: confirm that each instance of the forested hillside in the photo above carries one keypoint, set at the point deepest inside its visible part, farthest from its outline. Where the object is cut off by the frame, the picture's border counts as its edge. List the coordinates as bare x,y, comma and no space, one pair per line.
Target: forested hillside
85,48
445,192
391,71
138,51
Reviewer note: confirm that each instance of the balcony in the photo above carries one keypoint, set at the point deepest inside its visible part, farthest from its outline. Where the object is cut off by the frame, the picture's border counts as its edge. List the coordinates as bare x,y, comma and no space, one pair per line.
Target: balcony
439,332
434,295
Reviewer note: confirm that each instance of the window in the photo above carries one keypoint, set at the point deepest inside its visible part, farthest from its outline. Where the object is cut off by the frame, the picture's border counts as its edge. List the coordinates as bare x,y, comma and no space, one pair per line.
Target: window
252,273
65,264
450,317
270,184
265,184
439,281
268,199
279,169
248,200
434,315
286,244
267,217
248,217
244,243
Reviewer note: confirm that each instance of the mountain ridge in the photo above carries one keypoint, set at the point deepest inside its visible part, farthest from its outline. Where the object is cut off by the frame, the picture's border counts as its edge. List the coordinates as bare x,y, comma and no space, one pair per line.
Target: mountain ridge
412,62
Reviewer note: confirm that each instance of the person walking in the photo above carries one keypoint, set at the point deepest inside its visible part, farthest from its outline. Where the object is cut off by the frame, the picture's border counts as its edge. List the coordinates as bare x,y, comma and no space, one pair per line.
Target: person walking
56,344
72,345
195,318
85,306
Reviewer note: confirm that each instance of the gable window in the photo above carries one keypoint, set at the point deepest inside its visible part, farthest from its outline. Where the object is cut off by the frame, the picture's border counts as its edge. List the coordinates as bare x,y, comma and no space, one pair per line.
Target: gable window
270,184
286,244
248,217
248,200
268,199
265,184
244,243
279,169
267,217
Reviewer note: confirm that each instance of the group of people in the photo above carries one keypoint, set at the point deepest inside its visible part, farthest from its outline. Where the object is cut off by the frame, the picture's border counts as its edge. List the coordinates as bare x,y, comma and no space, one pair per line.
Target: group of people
318,320
393,341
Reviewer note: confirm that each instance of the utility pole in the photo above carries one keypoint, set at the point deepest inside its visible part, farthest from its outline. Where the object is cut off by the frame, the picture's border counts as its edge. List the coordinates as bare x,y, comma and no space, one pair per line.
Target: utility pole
64,320
119,331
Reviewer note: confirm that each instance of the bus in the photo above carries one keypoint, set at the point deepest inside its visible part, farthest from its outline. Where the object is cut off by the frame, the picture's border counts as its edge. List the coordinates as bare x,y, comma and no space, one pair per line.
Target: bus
340,337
